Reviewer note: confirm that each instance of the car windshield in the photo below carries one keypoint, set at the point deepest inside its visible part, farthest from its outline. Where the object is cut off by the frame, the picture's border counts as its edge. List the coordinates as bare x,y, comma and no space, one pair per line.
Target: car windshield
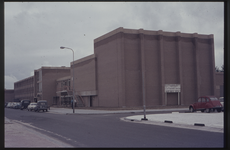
213,98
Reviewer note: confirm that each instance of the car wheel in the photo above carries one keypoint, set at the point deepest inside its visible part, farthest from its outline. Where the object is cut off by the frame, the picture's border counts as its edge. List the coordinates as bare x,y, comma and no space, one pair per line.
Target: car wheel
202,110
191,109
218,110
46,110
207,110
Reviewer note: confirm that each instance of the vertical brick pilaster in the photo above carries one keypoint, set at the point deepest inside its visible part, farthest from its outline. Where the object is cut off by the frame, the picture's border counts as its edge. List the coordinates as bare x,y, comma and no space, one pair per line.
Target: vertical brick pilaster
214,92
142,49
160,36
122,52
180,95
197,64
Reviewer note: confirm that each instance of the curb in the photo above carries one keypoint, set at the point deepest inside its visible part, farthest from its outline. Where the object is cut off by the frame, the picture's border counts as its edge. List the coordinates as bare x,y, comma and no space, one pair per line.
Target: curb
127,112
102,113
166,121
199,124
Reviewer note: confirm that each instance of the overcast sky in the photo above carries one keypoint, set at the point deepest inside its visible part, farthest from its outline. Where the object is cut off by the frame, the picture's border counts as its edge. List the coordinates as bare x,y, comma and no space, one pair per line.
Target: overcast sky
34,31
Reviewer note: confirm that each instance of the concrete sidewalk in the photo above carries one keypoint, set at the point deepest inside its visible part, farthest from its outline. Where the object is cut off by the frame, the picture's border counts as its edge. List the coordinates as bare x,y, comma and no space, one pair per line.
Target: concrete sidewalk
213,122
20,136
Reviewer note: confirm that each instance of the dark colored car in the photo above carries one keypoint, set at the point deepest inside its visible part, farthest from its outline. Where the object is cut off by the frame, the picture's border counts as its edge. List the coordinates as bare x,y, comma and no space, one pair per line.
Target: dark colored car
6,104
24,104
41,105
207,104
17,105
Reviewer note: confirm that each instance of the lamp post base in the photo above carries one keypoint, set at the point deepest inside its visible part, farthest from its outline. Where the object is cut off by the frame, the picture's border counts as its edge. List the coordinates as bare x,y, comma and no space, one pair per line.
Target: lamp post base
144,119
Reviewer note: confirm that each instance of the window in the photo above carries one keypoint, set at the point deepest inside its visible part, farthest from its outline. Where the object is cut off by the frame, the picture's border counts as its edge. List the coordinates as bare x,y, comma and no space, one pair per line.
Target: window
199,100
203,100
213,98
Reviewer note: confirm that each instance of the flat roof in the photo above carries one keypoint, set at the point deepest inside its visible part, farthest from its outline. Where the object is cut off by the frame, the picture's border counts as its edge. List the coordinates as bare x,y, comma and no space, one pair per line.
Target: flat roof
46,67
84,59
151,32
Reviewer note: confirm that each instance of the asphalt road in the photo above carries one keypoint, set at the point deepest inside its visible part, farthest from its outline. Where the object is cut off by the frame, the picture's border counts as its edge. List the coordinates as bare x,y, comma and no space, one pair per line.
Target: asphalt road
107,130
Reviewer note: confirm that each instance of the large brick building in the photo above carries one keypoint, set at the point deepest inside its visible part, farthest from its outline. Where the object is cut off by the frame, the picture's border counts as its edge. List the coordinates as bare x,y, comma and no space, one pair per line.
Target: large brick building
40,86
24,89
164,68
45,82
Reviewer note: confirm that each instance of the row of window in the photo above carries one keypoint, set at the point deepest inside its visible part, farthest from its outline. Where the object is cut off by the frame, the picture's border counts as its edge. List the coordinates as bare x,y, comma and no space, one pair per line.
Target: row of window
24,91
24,83
206,99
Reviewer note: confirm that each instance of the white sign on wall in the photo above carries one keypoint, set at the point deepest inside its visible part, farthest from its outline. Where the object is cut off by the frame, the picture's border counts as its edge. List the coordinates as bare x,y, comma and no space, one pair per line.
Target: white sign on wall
172,88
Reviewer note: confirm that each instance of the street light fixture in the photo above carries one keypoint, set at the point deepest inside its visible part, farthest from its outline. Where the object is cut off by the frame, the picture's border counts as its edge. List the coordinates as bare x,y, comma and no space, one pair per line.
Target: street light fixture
62,47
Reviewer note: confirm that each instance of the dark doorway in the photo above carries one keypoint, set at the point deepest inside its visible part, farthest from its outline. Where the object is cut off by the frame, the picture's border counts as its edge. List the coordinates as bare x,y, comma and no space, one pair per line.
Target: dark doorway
90,101
172,98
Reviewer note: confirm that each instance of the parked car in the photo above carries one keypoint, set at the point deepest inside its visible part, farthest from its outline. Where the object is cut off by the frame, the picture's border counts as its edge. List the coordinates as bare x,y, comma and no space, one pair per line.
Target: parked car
221,99
12,105
31,106
24,103
17,105
9,104
41,105
207,104
6,104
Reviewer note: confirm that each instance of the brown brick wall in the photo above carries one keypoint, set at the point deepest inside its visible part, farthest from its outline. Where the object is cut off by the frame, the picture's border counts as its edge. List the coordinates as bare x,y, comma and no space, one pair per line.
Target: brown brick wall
133,88
107,72
153,69
24,89
85,77
171,64
169,58
49,77
205,68
189,85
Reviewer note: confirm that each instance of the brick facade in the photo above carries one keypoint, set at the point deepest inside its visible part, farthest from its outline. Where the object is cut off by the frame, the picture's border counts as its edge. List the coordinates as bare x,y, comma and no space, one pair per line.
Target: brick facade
24,89
45,82
137,64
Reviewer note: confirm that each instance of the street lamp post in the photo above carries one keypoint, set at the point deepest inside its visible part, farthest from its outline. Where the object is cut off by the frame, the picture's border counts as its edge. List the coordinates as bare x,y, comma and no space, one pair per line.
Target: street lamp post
73,73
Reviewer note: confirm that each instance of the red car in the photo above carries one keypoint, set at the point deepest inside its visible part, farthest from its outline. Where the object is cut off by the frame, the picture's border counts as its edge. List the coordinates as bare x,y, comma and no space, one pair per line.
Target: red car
207,104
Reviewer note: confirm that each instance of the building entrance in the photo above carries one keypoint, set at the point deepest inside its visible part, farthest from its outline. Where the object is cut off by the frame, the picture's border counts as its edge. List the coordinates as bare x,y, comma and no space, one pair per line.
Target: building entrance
90,101
172,99
172,94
